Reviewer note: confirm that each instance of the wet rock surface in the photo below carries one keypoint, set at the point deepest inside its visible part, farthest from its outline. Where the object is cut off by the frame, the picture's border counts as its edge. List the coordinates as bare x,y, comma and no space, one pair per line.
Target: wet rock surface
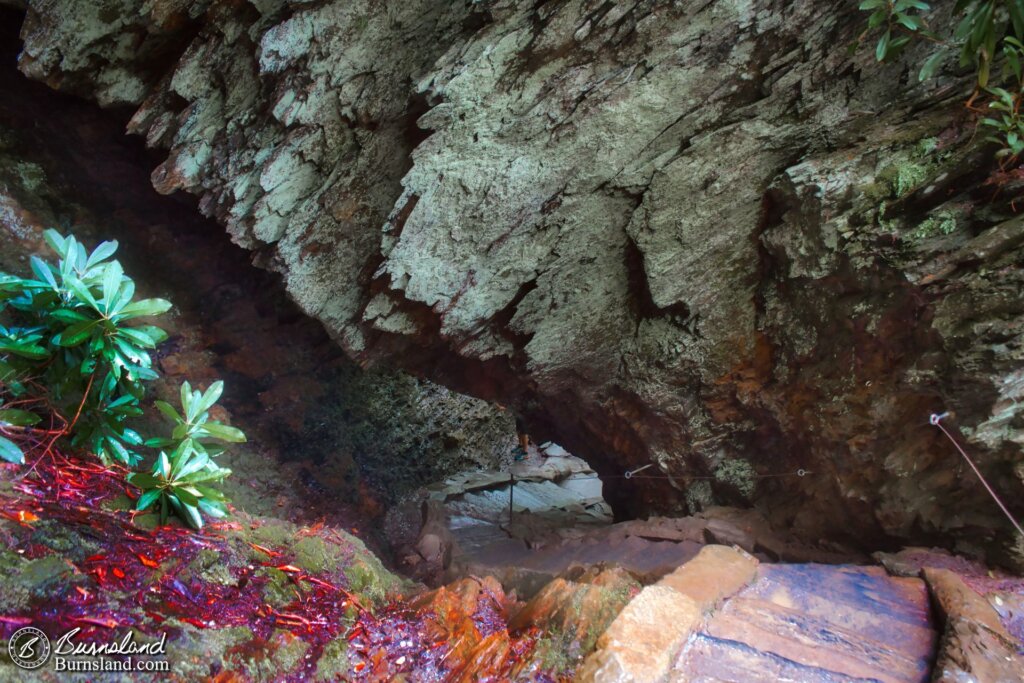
464,528
259,598
643,641
975,643
256,597
703,236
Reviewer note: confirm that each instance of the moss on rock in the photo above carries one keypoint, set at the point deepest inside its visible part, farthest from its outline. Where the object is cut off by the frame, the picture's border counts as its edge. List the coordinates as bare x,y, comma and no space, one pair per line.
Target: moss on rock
210,565
26,580
739,474
316,555
943,222
279,589
368,577
63,540
334,662
198,654
339,557
902,178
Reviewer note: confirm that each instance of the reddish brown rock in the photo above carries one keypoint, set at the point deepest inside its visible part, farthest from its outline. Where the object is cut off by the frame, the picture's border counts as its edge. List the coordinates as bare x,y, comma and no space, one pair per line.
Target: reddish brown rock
667,528
642,642
454,608
814,642
728,533
750,529
912,561
975,645
570,613
1004,592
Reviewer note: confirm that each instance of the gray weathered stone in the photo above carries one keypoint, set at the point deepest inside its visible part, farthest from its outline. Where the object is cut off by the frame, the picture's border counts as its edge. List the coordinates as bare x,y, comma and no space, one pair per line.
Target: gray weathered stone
679,233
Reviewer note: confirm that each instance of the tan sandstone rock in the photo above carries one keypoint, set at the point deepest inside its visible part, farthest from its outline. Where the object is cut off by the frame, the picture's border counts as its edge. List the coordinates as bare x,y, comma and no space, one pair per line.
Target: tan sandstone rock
643,642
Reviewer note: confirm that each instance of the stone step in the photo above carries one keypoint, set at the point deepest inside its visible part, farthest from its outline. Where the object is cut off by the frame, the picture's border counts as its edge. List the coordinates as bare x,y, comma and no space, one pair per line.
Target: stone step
724,617
646,638
817,623
852,598
813,641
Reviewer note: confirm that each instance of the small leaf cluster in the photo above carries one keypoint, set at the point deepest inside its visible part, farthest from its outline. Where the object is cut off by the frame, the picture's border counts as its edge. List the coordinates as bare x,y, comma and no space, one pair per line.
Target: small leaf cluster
75,347
976,37
989,32
896,17
1007,125
182,478
982,27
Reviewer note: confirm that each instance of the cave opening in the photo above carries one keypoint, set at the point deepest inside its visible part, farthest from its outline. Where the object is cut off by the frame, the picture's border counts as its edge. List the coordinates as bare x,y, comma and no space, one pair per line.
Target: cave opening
340,443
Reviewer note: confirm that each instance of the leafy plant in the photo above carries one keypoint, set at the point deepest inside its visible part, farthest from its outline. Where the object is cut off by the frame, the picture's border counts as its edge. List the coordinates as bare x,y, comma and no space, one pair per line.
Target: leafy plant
13,417
988,32
1008,127
75,348
984,23
896,17
75,337
181,478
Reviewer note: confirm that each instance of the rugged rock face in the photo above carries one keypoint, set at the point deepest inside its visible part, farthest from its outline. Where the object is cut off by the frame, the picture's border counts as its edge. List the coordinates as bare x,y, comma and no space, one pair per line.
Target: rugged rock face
322,430
701,235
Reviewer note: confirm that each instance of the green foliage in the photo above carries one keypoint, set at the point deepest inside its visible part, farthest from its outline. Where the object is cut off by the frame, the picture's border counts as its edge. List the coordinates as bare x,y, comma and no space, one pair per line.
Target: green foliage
182,477
74,347
10,451
75,332
904,177
896,17
14,417
1006,123
988,32
942,223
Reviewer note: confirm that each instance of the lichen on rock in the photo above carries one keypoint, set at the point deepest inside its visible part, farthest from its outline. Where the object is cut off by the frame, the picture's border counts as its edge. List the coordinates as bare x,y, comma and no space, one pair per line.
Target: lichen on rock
664,234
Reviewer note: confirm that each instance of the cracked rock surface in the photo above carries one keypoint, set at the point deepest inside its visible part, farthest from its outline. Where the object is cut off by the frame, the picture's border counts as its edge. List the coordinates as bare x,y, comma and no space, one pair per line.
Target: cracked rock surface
701,235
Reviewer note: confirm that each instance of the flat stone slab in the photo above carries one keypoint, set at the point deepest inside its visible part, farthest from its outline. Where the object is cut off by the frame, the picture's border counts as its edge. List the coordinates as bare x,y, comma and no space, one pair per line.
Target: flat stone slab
722,617
635,554
809,623
715,574
734,662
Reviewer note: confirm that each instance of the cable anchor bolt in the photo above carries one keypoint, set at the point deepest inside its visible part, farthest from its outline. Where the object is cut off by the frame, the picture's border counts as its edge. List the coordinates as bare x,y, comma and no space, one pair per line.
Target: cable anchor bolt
630,473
